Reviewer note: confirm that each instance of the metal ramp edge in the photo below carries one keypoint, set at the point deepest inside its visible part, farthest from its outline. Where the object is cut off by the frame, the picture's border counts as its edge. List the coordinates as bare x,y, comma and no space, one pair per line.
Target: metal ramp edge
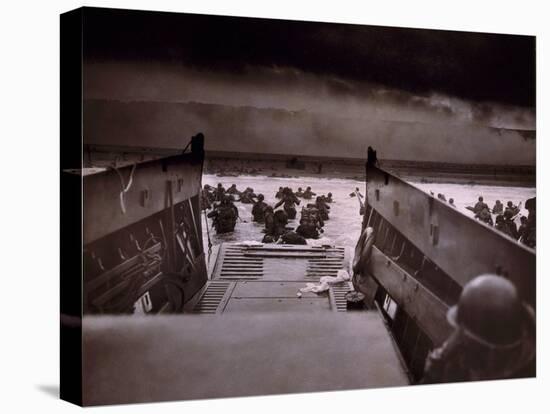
337,296
214,297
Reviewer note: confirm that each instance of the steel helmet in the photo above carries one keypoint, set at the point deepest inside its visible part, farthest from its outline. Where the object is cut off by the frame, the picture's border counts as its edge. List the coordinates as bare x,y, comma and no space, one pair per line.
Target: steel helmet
489,311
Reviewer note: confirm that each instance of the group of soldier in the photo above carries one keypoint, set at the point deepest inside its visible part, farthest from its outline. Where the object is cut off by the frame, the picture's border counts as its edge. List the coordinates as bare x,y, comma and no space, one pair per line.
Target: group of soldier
275,218
505,219
224,213
312,216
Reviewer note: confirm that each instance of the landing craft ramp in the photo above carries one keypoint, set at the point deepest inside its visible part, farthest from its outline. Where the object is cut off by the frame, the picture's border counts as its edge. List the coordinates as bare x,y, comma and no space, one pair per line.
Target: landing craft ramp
246,332
267,278
164,358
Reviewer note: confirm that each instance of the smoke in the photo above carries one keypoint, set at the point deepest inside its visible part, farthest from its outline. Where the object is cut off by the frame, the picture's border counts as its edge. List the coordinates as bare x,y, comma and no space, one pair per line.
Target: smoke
293,90
277,131
285,110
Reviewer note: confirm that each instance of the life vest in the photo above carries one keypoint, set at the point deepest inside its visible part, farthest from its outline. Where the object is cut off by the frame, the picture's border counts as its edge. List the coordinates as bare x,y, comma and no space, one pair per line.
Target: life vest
363,251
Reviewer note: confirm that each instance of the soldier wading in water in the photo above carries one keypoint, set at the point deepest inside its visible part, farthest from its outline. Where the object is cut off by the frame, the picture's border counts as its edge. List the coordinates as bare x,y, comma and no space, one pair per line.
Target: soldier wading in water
258,209
224,216
289,200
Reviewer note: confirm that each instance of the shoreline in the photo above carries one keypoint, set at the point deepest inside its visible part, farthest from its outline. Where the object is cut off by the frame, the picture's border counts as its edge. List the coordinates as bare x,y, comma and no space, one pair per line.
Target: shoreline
226,167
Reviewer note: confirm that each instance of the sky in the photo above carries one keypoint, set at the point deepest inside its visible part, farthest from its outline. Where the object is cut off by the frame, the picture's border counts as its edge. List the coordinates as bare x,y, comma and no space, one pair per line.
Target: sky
311,88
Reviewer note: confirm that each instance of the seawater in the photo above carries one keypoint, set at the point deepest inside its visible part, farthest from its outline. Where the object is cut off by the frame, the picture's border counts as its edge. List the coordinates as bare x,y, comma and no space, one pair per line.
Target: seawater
344,226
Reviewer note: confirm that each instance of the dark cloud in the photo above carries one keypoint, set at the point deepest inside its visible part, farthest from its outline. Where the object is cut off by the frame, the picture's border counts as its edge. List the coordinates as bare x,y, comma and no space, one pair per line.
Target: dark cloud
292,90
473,66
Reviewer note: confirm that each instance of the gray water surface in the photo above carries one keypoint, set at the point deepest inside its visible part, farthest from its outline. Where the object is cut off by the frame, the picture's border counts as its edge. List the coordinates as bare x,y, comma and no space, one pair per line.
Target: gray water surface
344,226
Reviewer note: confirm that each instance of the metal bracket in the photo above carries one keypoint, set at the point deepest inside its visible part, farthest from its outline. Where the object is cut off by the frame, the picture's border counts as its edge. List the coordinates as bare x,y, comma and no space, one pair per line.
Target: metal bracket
396,207
145,197
434,233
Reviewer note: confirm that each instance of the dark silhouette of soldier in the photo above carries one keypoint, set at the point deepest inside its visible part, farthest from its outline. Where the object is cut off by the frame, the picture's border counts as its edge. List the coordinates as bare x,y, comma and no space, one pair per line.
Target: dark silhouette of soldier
493,337
289,200
219,192
498,208
258,209
372,159
248,196
480,206
308,228
224,216
529,237
308,194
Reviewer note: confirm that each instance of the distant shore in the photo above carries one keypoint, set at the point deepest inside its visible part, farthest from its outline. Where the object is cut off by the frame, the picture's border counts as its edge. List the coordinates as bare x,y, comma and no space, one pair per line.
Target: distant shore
227,164
281,166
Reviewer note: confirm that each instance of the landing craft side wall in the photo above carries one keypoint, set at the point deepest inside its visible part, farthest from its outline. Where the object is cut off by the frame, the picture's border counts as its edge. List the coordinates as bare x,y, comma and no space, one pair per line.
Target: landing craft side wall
461,246
417,300
148,194
143,247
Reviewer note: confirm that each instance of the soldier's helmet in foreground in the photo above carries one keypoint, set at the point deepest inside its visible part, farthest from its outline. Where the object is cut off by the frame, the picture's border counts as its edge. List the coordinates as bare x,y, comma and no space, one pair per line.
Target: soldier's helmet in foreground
490,312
